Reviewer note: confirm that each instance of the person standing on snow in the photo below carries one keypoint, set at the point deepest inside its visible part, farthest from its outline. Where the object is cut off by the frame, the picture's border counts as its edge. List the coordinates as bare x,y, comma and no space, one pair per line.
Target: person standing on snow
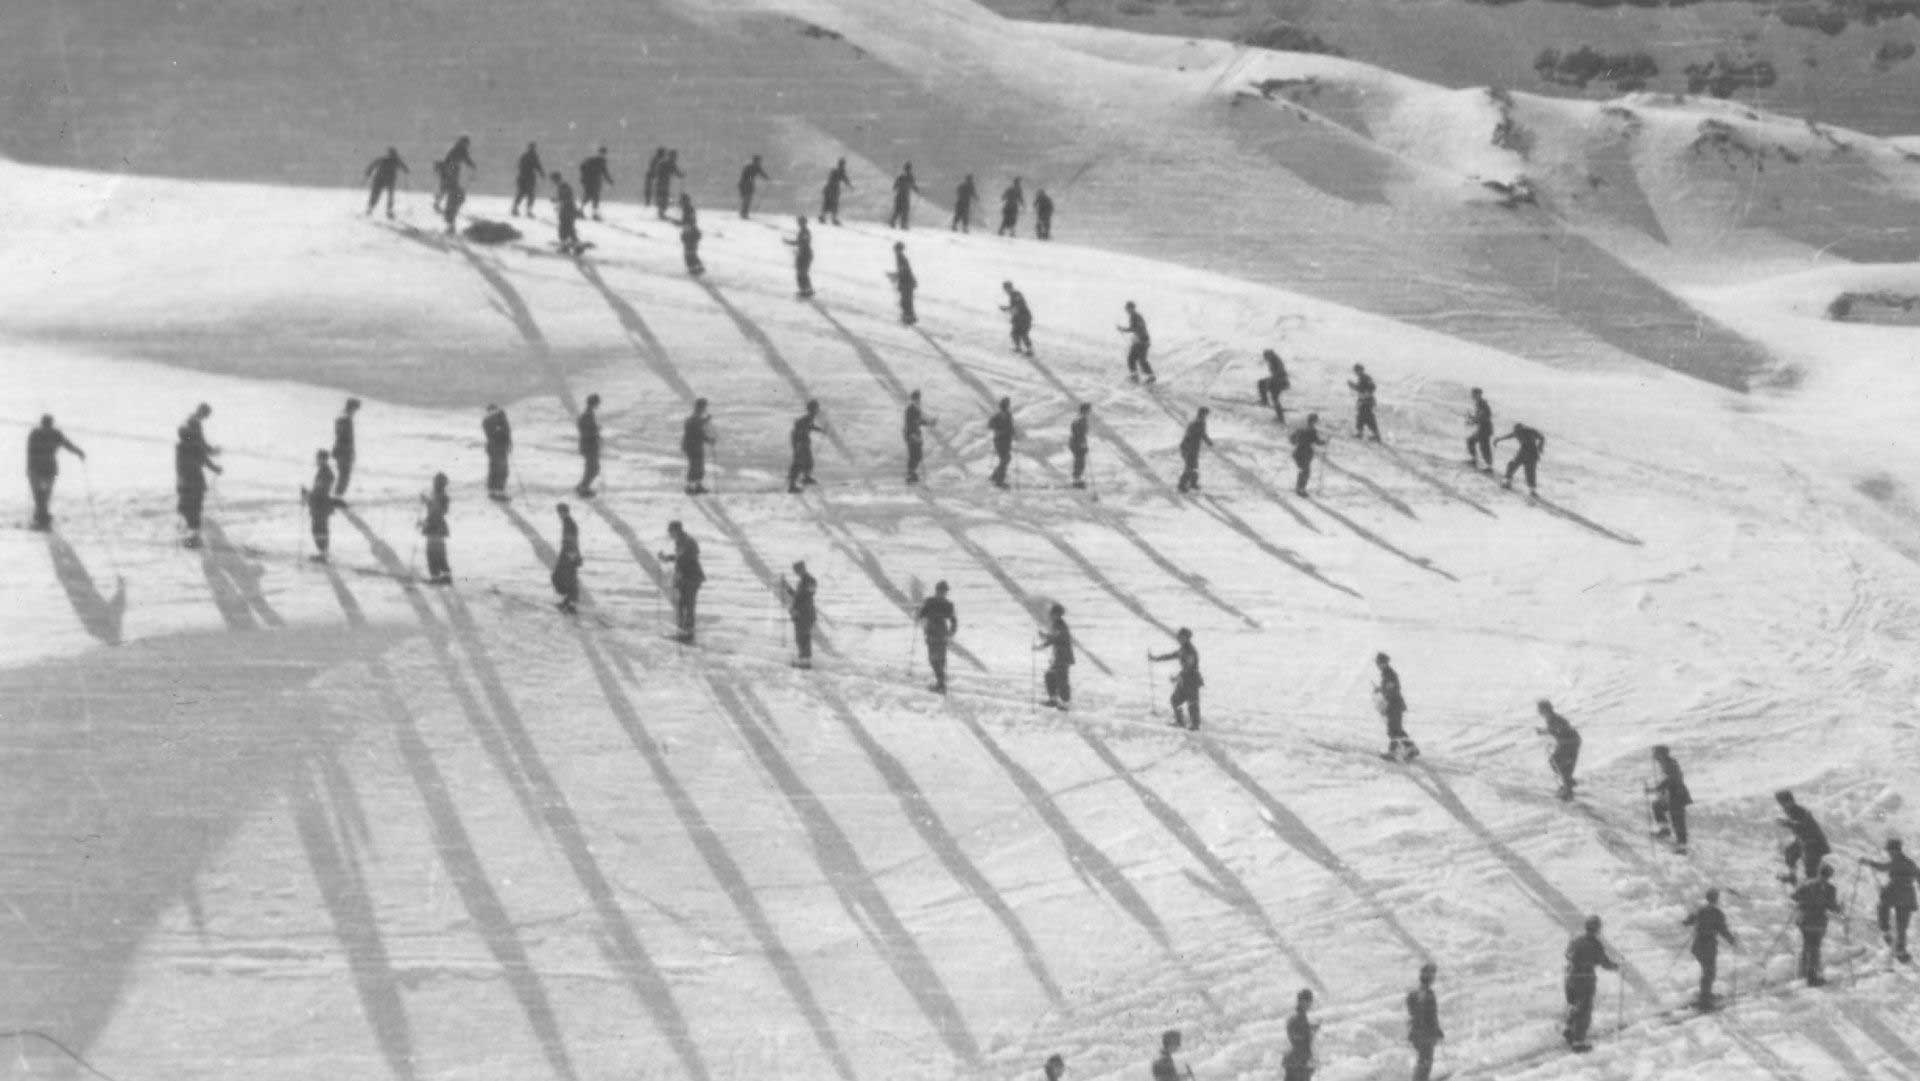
802,245
940,623
594,175
453,169
904,282
566,565
1021,317
318,497
963,199
433,526
1298,1063
1058,639
800,439
588,424
1165,1068
384,172
1001,425
1585,955
1077,443
911,424
904,189
1423,1022
1273,383
192,457
499,436
690,246
1012,201
1709,926
1809,846
44,445
1670,799
1305,441
830,194
1480,433
1898,897
1363,402
1186,682
1393,707
344,450
1042,215
1191,441
650,185
1813,901
688,576
663,183
750,174
1136,329
526,180
696,435
800,608
1529,444
1566,746
566,216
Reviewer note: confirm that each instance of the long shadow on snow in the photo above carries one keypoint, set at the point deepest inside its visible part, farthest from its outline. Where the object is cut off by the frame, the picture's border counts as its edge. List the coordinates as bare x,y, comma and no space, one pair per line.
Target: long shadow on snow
1567,515
720,863
103,619
1287,556
884,375
1434,482
1232,888
1877,1030
646,343
920,813
641,556
234,580
753,333
755,563
852,882
834,526
1423,562
1296,835
1379,492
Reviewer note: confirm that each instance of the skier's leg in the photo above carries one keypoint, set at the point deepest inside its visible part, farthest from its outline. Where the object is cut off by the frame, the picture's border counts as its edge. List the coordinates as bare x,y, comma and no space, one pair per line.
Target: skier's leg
1679,816
914,452
1079,468
1902,917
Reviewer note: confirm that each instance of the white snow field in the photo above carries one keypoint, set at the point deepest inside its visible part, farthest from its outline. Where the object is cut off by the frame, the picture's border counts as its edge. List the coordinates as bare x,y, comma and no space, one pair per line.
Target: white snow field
265,818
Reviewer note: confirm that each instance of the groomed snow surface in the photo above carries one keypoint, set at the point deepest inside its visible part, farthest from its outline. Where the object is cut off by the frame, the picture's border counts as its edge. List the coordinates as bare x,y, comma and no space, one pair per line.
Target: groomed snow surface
270,818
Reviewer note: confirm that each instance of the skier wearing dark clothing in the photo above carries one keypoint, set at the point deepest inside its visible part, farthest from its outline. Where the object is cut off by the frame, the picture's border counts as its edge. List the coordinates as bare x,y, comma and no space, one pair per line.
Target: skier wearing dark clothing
1012,201
1042,215
1670,799
318,497
384,172
526,180
687,578
830,194
1305,441
1423,1022
963,199
453,195
939,622
589,425
452,170
1001,425
1191,441
651,183
1053,1069
1530,443
690,247
750,174
1898,899
566,565
663,183
1565,755
1021,317
904,282
343,447
688,214
499,436
1136,329
1273,384
910,426
1709,927
1298,1063
696,435
566,215
1809,846
1585,954
433,526
1164,1067
1813,901
44,445
800,438
802,245
1363,390
800,609
594,175
1480,433
192,457
1186,682
1077,443
904,189
1393,708
1058,639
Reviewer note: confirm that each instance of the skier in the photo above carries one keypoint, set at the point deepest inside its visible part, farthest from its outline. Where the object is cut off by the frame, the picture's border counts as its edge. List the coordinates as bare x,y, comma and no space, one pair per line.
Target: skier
450,168
526,180
939,622
1136,328
1298,1063
1897,897
1813,901
1480,434
589,426
43,468
688,215
802,245
1190,443
1042,215
318,497
963,200
1186,682
192,457
1054,1068
800,439
1584,954
1363,420
1058,639
1566,746
1304,441
1164,1067
904,189
663,183
1001,425
384,172
566,565
594,174
1809,846
566,216
650,185
1393,706
911,424
1077,443
1530,443
1670,799
499,436
1022,319
434,527
1012,201
343,447
1273,383
800,609
1709,927
454,194
687,577
696,435
690,247
1423,1022
904,282
830,194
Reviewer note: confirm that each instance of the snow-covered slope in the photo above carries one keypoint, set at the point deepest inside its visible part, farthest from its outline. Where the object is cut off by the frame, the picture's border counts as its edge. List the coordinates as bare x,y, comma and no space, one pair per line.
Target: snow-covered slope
270,817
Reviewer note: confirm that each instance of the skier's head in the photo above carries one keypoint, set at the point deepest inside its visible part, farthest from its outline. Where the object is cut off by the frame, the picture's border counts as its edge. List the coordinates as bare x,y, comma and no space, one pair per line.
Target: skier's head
1360,368
1713,896
463,140
799,566
699,405
1660,752
1058,611
1382,659
392,152
756,159
907,168
1183,634
1593,925
1516,429
1303,999
1893,845
899,246
1269,355
1545,707
492,408
1427,972
1475,392
1129,305
603,150
46,420
674,528
320,457
940,587
1085,408
203,411
1008,286
353,405
1784,798
556,177
813,406
913,396
1313,419
1055,1067
593,400
1006,404
1204,411
802,222
439,481
1170,1040
531,148
564,510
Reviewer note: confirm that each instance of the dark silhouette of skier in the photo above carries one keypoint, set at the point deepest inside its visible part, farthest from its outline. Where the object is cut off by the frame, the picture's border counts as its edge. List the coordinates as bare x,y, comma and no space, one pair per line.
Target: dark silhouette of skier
594,175
1898,897
44,445
696,435
1021,318
1186,682
1565,756
1273,384
904,189
1042,215
802,245
1136,328
939,622
1423,1022
452,169
800,441
1809,847
192,458
453,195
1165,1068
344,447
800,609
1191,441
1012,201
1670,799
688,575
1709,926
1305,442
526,180
1077,443
1480,433
830,194
566,216
384,172
904,282
650,185
566,565
663,183
1392,703
499,436
1529,445
751,173
1585,954
1364,422
1058,640
433,526
690,247
1298,1063
588,424
911,423
963,199
1813,901
1000,424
